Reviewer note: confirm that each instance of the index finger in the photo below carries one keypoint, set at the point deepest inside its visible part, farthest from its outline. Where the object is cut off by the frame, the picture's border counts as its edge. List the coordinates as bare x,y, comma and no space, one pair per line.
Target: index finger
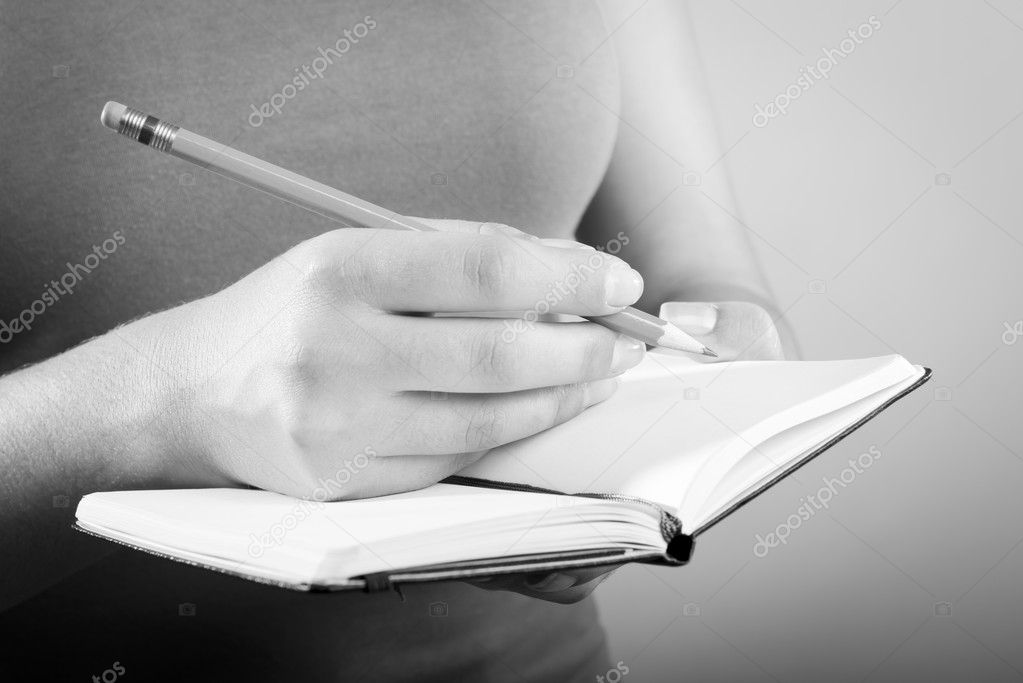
455,272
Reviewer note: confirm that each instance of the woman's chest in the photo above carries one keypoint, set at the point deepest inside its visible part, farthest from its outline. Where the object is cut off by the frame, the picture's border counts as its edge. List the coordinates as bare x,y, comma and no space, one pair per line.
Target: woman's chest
498,112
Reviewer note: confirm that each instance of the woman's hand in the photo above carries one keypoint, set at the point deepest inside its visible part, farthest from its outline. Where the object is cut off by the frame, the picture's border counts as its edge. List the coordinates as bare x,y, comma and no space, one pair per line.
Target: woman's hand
313,376
563,587
735,330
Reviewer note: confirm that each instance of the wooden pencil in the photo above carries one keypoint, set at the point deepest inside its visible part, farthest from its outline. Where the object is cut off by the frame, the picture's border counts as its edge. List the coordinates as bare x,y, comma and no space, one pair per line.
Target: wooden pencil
338,205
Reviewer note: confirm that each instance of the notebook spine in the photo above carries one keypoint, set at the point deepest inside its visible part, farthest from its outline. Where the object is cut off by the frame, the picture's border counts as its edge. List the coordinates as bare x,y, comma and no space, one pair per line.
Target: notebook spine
679,544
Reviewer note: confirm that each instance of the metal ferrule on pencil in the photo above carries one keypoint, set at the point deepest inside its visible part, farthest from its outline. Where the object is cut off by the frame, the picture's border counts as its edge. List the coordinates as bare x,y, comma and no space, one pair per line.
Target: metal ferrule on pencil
147,129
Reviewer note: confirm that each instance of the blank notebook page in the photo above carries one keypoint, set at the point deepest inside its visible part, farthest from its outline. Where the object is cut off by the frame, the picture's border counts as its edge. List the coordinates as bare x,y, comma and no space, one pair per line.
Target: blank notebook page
776,453
674,422
362,535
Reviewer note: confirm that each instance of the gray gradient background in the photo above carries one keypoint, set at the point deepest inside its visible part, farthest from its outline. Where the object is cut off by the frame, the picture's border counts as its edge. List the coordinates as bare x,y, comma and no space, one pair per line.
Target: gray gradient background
915,572
843,190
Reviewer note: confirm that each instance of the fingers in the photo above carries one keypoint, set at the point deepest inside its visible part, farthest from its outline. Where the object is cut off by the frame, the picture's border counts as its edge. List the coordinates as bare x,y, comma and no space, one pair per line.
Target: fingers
736,330
400,473
470,355
455,423
564,587
458,272
499,229
476,228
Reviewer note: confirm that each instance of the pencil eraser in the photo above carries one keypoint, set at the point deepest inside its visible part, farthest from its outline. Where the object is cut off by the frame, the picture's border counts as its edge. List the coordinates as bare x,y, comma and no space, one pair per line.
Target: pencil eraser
112,113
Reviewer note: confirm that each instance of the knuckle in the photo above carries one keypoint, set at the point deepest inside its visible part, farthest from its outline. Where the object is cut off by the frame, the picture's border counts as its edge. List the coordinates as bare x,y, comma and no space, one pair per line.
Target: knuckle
565,402
484,428
316,274
297,381
571,402
595,354
486,265
329,263
752,320
299,429
298,366
748,309
493,358
361,276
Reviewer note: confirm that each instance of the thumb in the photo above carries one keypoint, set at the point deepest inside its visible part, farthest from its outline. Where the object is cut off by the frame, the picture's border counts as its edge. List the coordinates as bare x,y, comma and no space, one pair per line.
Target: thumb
736,330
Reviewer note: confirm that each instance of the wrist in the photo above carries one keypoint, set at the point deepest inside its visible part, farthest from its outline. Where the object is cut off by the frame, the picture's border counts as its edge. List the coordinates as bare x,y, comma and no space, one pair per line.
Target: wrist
145,375
173,369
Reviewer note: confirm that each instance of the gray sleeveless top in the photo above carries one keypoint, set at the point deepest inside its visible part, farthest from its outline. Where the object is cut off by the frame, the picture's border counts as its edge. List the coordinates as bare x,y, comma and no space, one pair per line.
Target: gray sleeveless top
495,111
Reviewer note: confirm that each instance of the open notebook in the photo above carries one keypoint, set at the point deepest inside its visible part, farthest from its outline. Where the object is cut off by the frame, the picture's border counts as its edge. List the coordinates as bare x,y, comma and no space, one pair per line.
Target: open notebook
636,478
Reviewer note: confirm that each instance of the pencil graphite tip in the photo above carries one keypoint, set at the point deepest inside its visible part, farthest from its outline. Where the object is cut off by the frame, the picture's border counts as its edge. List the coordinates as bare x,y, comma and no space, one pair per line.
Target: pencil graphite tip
674,338
709,352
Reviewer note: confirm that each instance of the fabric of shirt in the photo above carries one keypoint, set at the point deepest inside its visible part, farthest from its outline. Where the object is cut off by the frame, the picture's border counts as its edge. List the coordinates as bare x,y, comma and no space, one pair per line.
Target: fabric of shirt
487,111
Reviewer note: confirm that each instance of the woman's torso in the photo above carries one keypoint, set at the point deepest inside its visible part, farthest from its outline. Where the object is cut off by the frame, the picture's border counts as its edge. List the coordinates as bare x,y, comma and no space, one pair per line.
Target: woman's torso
485,111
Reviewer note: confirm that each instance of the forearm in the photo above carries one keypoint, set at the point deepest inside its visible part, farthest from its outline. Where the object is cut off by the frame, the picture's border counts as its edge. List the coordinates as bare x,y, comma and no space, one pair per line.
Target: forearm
666,196
657,191
685,250
97,417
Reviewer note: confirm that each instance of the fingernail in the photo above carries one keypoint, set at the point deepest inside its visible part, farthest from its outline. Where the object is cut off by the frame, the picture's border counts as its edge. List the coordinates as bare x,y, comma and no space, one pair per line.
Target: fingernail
564,244
694,317
506,230
624,285
628,352
601,390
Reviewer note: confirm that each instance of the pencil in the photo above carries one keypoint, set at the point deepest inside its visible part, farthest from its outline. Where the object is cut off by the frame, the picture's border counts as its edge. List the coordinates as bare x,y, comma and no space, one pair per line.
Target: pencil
337,205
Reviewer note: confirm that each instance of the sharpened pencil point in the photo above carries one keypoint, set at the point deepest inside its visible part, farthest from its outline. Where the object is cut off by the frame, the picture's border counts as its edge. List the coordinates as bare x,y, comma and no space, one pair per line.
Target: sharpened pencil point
674,338
709,352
